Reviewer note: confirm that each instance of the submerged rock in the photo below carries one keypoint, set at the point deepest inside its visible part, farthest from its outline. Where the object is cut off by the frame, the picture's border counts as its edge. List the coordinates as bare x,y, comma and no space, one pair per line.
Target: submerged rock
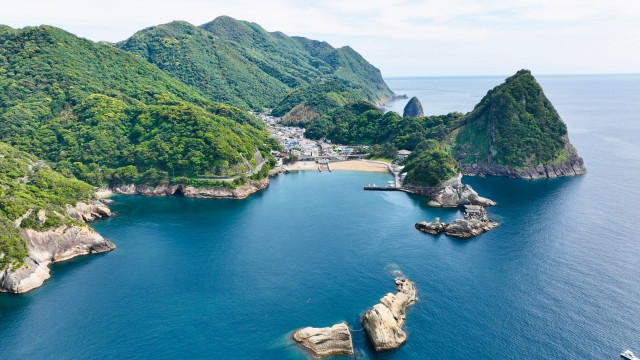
328,341
385,320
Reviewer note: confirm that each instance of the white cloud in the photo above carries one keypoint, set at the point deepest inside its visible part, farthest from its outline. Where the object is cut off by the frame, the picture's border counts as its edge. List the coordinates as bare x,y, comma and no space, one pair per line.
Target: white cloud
402,37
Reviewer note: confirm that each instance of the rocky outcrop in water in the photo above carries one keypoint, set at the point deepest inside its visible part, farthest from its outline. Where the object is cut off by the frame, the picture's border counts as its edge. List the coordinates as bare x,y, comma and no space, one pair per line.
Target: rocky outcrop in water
413,108
239,192
46,247
452,193
384,322
328,341
475,222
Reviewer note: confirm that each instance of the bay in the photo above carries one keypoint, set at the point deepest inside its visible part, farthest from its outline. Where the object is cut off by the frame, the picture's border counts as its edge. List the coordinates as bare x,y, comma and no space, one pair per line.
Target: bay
228,279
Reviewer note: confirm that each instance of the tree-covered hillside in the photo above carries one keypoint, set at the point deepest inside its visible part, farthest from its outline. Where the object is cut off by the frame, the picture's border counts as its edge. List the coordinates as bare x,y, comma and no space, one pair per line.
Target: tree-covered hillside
239,63
513,125
30,187
101,112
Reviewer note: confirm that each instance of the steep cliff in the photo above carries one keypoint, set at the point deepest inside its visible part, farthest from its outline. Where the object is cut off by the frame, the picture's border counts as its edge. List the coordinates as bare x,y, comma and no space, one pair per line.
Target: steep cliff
38,224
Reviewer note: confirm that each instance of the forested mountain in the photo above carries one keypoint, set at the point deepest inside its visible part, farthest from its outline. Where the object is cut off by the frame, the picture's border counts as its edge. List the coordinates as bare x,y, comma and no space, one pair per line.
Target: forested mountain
108,115
514,125
240,63
513,131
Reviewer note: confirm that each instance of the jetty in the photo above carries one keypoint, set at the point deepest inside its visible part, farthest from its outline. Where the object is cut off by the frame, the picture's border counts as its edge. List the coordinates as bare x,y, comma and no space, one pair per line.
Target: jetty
381,188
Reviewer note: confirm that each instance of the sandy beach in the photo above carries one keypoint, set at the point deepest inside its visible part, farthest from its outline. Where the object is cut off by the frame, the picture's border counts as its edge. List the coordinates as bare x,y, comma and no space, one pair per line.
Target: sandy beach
353,165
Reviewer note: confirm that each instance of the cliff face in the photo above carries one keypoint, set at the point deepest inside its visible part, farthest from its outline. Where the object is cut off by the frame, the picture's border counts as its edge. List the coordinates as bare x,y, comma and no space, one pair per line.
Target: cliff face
46,247
515,131
573,165
240,192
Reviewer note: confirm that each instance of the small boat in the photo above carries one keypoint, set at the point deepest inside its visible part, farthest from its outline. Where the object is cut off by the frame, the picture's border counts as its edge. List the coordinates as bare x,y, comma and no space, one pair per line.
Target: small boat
627,354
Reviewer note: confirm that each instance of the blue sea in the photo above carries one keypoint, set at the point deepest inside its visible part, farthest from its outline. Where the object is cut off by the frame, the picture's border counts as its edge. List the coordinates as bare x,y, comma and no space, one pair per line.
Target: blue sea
231,279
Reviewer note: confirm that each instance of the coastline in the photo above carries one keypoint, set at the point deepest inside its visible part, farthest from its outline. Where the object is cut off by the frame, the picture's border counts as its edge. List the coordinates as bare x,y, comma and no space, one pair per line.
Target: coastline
350,165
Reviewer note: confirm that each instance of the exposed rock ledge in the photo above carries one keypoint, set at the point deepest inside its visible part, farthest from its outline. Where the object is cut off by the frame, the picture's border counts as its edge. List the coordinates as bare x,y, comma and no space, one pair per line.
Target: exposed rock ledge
574,165
48,247
452,193
385,320
328,341
240,192
63,243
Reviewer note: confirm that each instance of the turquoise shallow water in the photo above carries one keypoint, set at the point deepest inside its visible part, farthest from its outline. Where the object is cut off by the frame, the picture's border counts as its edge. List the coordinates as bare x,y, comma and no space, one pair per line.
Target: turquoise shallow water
231,279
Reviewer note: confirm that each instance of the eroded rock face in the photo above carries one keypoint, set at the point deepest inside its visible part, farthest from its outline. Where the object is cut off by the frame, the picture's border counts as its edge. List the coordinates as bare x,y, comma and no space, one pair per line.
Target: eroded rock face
573,166
328,341
385,320
47,247
240,192
88,212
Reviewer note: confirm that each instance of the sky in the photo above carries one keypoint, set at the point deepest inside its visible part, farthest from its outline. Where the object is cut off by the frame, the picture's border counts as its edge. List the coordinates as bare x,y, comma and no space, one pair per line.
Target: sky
400,37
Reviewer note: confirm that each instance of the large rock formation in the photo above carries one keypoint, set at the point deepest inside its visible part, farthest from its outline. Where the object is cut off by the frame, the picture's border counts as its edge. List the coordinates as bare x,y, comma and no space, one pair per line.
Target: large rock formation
515,131
413,108
452,193
466,228
60,244
475,222
47,247
328,341
239,192
384,322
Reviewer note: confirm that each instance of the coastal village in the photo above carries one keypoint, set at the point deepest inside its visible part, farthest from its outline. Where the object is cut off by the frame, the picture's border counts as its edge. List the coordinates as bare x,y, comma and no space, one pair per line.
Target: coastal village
296,146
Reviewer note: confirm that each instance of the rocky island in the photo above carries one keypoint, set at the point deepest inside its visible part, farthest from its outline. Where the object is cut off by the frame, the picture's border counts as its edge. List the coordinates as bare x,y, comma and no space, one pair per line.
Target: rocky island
328,341
475,222
385,321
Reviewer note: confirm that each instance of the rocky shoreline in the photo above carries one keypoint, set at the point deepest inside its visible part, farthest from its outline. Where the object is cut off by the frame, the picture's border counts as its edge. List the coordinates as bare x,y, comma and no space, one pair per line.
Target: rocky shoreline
574,165
55,245
452,193
241,192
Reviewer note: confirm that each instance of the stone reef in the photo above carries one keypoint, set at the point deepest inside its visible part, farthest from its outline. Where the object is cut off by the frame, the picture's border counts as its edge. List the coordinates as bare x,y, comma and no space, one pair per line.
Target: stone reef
385,320
328,341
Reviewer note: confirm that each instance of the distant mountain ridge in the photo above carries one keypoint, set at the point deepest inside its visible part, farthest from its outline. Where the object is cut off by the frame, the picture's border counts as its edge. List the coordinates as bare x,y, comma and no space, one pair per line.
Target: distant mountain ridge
240,63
